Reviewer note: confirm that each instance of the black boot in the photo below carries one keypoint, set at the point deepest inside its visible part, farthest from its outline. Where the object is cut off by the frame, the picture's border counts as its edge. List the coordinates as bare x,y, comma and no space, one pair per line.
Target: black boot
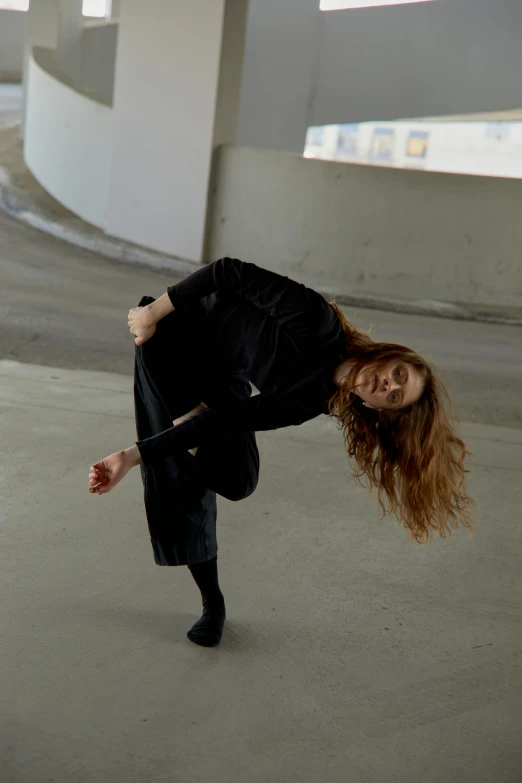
208,629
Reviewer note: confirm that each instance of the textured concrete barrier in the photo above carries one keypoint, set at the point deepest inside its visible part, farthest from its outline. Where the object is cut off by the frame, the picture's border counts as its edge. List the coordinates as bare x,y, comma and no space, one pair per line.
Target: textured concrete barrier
383,232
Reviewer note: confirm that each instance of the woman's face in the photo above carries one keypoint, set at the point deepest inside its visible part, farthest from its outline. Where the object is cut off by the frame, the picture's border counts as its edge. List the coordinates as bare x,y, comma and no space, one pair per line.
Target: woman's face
396,385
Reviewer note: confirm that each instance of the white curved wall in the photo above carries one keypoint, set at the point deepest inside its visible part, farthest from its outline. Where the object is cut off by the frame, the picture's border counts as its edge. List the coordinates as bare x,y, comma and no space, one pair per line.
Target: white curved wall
68,144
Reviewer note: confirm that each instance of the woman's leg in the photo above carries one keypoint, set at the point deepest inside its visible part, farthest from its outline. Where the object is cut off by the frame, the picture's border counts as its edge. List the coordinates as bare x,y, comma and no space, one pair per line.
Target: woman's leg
181,515
170,360
227,463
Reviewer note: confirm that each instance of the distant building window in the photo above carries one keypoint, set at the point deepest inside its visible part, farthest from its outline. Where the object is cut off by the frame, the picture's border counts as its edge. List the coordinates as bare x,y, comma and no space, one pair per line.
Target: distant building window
315,135
347,141
341,5
14,5
497,130
417,144
482,148
96,8
383,141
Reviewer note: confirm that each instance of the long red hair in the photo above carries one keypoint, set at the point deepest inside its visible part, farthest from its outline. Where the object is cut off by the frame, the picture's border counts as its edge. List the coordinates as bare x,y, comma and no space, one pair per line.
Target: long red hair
412,456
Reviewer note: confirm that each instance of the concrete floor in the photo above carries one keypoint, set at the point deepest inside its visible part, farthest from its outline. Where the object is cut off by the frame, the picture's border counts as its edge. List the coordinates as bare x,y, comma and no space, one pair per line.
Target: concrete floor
349,654
10,104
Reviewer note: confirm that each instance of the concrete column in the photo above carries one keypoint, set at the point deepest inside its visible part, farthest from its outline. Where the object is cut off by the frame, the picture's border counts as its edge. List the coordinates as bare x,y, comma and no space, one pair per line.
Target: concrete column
115,10
175,98
69,49
281,64
42,22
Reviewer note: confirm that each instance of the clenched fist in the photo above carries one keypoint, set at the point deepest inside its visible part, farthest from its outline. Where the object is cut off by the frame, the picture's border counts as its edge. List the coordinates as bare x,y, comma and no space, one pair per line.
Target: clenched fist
142,324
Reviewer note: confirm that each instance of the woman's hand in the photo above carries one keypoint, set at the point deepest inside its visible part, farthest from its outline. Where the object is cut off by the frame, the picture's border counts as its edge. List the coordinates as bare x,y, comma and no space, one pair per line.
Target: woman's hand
142,324
108,472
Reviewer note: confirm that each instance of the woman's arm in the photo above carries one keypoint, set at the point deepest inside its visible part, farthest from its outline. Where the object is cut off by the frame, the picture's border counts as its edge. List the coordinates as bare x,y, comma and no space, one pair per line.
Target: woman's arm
133,456
142,320
303,313
258,413
160,308
262,412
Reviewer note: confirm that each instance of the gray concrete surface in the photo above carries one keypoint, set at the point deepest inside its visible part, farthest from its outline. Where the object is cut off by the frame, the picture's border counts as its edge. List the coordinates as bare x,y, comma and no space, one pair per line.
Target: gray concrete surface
349,653
10,104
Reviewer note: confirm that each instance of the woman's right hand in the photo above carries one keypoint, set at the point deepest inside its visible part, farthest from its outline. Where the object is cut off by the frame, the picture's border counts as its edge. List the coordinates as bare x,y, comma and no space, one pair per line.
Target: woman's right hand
142,324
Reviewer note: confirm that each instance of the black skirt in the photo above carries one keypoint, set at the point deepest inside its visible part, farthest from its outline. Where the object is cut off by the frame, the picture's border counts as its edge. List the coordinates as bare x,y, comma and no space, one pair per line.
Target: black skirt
180,490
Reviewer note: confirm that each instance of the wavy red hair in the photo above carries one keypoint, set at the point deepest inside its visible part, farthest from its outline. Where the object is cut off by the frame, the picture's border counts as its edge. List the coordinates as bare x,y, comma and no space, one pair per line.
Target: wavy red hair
412,456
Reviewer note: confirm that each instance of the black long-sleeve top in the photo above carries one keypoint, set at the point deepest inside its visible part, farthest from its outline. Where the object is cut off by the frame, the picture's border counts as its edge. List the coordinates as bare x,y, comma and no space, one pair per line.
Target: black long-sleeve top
284,337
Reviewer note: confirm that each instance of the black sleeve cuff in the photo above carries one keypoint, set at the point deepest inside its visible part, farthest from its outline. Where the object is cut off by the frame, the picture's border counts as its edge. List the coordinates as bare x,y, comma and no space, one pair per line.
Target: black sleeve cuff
187,435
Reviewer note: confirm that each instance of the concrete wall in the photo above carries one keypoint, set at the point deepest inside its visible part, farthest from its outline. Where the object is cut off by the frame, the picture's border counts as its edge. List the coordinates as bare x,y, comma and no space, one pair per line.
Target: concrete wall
306,67
67,144
384,231
12,36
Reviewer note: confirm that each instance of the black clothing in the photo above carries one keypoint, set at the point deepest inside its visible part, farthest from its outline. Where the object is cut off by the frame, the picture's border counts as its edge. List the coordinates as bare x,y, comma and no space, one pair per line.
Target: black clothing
280,335
180,489
208,629
233,323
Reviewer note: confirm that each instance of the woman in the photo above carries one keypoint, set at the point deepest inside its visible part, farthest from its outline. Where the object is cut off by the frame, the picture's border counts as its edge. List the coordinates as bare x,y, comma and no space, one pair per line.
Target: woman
197,348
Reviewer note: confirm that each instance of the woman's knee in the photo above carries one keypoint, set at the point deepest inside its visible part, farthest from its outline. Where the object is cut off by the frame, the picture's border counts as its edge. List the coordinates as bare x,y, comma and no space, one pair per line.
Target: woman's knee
237,492
226,479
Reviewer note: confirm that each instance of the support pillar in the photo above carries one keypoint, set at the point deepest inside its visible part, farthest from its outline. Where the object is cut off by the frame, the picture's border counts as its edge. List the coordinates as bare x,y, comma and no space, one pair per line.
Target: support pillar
176,96
69,49
42,22
115,10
